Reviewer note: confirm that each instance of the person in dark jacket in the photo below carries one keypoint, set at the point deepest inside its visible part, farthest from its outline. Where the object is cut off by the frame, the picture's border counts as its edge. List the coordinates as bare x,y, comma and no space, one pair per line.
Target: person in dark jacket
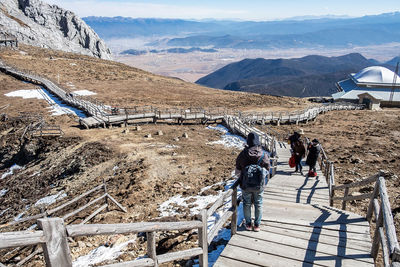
299,152
293,138
252,154
314,148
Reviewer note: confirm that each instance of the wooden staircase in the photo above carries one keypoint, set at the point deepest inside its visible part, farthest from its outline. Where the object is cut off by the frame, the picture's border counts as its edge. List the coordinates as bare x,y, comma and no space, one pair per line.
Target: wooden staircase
299,228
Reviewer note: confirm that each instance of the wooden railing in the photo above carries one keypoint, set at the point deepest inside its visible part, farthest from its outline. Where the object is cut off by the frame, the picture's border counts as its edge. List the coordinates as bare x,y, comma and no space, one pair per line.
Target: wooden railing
53,237
379,206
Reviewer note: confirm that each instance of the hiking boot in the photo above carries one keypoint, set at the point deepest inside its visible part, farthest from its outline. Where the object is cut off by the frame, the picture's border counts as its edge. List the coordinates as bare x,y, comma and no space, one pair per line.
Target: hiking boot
248,227
256,228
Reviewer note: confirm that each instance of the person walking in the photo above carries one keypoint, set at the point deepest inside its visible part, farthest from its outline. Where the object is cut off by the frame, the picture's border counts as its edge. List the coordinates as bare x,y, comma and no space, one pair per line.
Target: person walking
314,148
299,152
293,138
252,167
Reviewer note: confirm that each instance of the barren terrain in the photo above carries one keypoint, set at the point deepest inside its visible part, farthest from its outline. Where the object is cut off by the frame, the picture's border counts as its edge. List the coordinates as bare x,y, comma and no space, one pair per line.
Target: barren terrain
142,172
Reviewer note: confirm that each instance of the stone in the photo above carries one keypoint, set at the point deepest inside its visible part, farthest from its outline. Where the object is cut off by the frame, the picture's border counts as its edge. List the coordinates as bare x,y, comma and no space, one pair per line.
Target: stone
138,128
81,244
126,131
176,139
185,135
37,23
160,132
148,136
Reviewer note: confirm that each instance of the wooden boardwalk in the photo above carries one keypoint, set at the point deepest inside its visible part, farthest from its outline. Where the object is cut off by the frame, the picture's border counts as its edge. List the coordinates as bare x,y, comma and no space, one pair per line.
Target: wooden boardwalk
299,228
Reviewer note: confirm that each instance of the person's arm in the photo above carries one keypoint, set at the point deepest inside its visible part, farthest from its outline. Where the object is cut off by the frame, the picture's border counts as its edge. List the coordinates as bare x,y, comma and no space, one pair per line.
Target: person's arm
265,162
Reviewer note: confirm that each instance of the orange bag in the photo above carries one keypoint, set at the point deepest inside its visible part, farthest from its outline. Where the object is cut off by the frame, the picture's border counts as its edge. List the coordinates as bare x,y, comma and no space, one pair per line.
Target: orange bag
292,162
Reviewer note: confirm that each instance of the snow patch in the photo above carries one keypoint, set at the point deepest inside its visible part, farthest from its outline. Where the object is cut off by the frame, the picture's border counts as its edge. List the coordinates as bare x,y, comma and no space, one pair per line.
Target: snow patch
4,211
51,199
84,92
11,171
228,139
57,107
3,192
100,254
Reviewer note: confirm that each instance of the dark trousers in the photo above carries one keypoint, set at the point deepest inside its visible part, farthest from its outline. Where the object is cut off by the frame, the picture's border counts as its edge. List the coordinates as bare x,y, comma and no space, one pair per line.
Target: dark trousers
297,159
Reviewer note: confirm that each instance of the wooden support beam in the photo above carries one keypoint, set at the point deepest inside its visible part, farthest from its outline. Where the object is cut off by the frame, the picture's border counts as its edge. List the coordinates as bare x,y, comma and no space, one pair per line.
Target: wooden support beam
116,203
56,249
21,238
202,233
151,247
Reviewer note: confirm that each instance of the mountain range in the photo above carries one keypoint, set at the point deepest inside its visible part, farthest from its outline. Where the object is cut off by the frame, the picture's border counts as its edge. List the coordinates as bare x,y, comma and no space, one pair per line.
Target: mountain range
300,77
319,32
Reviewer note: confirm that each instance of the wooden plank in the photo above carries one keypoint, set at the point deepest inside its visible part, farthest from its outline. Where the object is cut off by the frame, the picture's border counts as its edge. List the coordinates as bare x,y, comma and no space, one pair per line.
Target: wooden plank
94,213
179,255
56,249
151,247
303,254
272,239
214,231
49,212
126,228
250,256
202,235
116,203
228,262
21,238
72,213
135,263
330,225
219,202
388,217
350,198
30,256
364,182
324,236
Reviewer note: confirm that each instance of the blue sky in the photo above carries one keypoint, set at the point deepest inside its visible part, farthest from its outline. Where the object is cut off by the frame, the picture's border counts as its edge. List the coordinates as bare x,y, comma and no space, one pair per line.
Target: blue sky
226,9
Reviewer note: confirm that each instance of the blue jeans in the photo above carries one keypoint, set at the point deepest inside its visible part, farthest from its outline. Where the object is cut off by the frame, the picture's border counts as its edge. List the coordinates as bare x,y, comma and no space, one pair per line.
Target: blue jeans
248,198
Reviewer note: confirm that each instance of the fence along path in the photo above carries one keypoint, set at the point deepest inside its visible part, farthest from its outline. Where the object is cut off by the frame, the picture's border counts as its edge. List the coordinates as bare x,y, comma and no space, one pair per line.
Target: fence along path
100,115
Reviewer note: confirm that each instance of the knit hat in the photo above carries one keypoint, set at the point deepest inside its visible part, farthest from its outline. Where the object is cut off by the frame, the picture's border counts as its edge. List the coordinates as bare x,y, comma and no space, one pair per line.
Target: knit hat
253,139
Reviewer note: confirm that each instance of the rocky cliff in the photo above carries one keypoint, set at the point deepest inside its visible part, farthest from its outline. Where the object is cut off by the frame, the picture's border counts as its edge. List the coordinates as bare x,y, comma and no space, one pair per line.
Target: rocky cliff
37,23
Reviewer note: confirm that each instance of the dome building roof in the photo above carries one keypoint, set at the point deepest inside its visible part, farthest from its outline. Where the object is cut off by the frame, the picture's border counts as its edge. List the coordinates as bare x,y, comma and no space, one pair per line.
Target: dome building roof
375,75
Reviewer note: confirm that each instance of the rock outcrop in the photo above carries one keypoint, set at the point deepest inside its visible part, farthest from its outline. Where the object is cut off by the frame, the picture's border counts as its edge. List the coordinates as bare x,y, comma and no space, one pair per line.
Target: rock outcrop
37,23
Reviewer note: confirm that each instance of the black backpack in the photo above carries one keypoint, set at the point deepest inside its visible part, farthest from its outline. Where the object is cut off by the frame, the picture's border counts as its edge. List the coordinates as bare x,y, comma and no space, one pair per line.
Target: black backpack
253,177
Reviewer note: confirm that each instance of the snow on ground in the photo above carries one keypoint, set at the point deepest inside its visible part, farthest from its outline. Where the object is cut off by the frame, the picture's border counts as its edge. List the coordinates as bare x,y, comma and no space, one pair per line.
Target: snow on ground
51,199
197,203
100,254
228,139
11,171
3,192
4,211
57,107
84,92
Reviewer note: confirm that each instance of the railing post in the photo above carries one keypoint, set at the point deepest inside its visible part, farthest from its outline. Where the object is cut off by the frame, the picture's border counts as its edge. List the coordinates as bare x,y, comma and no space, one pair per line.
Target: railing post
203,242
151,247
346,193
234,210
56,249
377,237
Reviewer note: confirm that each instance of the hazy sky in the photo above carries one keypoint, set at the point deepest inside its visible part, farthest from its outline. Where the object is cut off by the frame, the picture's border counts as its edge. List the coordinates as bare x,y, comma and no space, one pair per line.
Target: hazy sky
222,9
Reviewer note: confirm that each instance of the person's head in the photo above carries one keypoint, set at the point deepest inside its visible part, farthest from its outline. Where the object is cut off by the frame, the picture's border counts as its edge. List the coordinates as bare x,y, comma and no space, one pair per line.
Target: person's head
253,139
315,141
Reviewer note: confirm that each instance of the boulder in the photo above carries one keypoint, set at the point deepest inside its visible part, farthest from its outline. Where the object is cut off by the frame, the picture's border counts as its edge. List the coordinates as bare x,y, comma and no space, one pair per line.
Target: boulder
37,23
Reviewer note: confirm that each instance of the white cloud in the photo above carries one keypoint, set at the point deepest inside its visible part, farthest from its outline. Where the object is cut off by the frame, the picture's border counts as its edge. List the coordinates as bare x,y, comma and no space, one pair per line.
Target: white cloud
144,10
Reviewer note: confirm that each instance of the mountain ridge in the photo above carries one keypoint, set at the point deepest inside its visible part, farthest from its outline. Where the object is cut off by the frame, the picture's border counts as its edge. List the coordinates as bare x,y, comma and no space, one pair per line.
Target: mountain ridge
311,75
37,23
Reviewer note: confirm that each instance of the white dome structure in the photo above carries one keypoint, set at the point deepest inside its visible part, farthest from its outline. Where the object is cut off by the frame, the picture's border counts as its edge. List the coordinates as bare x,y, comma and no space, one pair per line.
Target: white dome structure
375,75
